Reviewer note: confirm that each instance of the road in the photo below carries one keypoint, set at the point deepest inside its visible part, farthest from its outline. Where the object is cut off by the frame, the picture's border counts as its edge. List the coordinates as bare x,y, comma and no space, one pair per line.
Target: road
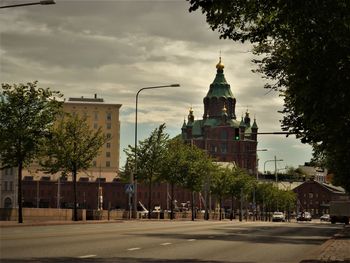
165,241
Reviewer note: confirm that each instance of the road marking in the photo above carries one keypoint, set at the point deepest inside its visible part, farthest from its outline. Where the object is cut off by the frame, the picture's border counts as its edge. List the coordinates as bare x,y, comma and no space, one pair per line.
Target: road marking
190,240
134,248
87,256
165,244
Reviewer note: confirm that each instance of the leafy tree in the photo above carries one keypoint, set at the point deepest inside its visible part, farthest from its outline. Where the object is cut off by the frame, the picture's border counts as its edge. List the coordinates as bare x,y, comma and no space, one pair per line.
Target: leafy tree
240,187
150,153
26,115
71,148
305,48
173,164
198,164
220,184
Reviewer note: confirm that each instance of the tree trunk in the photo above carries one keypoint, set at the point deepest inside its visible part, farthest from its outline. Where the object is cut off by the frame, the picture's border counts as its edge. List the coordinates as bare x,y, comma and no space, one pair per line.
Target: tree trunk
149,199
231,214
75,216
172,202
192,203
19,200
220,216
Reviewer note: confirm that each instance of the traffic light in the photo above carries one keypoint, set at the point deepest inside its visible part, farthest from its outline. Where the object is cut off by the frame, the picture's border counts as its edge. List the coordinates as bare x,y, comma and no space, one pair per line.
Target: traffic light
236,136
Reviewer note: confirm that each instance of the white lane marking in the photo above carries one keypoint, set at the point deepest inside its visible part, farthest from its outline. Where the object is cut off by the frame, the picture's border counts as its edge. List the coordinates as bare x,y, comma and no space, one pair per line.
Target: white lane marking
87,256
165,244
190,240
134,248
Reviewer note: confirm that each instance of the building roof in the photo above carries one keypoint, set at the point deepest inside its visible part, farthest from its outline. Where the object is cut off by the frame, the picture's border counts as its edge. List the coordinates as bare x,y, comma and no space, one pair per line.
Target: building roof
331,188
219,88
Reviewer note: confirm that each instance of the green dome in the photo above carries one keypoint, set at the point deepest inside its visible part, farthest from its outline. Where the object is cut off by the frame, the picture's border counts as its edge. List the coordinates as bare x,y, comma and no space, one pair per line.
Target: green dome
219,88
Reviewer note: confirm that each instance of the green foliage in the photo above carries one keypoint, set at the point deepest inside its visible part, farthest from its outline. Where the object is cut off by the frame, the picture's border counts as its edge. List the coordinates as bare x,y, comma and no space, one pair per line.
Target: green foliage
174,162
26,115
71,148
305,48
72,145
241,180
150,153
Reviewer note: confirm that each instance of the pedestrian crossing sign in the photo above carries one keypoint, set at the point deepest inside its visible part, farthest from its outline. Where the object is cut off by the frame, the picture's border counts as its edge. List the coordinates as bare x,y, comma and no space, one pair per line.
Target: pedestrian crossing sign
129,188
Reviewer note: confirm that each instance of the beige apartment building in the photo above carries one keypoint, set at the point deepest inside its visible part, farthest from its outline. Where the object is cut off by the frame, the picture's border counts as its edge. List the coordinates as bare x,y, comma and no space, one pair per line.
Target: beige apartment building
106,116
98,114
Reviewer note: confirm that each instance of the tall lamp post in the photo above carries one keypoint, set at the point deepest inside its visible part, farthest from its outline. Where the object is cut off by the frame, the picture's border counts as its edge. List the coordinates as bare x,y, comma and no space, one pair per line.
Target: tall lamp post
257,165
43,2
134,179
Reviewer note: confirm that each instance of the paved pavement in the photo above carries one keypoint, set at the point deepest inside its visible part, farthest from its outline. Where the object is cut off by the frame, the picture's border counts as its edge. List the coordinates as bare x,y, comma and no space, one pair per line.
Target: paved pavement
334,250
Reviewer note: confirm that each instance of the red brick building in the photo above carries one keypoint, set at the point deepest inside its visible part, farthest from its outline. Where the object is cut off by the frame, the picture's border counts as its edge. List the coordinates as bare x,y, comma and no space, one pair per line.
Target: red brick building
314,197
219,132
44,193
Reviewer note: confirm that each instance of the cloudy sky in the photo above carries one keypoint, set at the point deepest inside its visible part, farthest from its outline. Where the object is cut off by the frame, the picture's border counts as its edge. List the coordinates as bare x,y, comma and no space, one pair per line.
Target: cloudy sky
114,48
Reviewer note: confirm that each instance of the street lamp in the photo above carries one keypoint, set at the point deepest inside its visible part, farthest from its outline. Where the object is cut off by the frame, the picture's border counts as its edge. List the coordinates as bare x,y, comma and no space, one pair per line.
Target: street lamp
43,2
135,172
257,164
274,160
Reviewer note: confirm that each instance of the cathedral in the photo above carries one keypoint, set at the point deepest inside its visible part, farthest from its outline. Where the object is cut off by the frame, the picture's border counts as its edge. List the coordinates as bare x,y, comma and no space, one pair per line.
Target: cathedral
225,138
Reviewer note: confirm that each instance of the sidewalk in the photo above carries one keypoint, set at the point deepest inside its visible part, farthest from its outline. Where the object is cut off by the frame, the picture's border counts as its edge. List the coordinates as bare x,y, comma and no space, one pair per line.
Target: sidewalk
335,250
48,223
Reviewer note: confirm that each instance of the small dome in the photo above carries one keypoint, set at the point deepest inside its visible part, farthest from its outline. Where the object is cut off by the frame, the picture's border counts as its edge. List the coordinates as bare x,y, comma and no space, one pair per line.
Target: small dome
220,66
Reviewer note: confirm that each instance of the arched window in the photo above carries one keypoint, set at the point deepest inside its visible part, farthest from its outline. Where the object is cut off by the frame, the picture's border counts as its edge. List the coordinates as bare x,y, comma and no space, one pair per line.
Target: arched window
8,202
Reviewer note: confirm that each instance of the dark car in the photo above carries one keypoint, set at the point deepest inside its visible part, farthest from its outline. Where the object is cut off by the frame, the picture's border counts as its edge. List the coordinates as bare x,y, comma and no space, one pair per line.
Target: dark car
304,216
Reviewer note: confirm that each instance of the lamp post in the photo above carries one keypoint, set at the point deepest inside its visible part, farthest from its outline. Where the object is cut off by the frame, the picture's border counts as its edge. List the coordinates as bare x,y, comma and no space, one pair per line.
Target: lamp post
43,2
274,160
134,179
257,164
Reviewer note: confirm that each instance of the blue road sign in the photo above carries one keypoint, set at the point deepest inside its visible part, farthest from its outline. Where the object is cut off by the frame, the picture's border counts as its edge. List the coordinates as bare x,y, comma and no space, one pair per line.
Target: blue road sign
129,188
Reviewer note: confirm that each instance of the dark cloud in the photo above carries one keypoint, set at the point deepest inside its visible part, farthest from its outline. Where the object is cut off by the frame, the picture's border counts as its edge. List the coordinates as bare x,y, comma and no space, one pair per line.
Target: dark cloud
114,48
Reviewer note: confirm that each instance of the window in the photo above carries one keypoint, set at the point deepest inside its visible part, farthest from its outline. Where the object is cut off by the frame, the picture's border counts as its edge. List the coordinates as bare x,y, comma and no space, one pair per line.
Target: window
311,195
108,164
108,154
108,145
109,125
5,186
223,135
108,135
95,126
94,164
224,148
11,186
95,115
109,116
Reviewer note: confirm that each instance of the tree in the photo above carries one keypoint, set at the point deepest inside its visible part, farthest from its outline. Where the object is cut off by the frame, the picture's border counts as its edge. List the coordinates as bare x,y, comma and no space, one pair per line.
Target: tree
172,166
26,115
149,157
305,48
241,186
198,164
71,148
220,184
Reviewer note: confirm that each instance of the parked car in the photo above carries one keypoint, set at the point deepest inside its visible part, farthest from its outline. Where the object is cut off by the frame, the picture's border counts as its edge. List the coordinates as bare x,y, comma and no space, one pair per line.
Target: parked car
278,217
304,216
325,217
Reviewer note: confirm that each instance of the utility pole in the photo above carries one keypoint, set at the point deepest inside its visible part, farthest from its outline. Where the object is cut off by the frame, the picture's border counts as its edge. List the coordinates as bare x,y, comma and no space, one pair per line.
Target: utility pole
276,169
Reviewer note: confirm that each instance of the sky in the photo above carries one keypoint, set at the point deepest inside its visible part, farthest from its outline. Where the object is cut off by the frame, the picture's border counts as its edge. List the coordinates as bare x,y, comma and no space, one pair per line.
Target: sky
114,48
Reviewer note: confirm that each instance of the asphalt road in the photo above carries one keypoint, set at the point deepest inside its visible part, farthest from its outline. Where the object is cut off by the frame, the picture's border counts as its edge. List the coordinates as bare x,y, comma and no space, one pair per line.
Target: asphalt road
164,241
